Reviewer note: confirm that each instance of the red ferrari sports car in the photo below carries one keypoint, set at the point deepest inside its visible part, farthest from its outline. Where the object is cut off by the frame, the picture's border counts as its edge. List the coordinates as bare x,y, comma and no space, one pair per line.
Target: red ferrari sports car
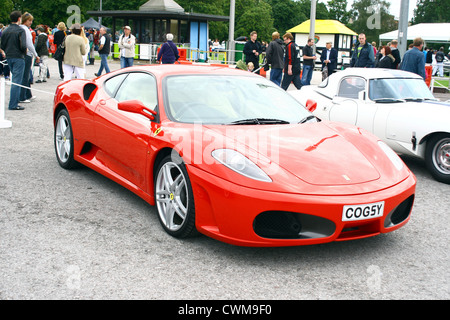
228,154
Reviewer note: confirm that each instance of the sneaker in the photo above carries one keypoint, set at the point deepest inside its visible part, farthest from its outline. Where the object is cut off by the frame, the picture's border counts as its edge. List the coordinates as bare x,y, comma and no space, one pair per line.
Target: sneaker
25,101
39,81
33,98
17,108
44,80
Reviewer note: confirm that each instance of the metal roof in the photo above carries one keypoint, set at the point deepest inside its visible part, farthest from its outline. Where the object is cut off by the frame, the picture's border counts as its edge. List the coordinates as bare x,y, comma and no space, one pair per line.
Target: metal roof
323,27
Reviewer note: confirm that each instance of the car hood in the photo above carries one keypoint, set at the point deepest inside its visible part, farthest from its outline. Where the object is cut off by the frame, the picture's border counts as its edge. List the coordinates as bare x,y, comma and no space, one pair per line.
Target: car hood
318,154
420,117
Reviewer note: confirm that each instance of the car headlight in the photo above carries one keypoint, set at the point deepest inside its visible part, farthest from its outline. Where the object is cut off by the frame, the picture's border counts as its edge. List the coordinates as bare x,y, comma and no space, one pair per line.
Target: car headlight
236,161
395,159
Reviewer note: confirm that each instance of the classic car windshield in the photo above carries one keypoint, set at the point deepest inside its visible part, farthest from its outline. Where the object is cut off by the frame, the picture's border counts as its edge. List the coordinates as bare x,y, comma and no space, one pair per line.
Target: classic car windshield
219,99
399,89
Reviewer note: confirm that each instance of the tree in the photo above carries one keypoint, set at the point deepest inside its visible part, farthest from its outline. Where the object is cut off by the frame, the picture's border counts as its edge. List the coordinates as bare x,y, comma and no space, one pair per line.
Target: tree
338,11
256,18
54,11
217,29
286,14
432,11
372,18
6,7
321,9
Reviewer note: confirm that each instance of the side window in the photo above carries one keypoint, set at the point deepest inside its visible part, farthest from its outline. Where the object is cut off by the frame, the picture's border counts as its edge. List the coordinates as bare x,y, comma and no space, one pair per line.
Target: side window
351,86
113,83
139,86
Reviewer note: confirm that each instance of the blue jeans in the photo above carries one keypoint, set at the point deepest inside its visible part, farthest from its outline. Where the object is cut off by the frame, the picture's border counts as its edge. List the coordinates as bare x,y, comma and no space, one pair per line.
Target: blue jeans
126,62
307,75
16,66
103,63
25,93
276,75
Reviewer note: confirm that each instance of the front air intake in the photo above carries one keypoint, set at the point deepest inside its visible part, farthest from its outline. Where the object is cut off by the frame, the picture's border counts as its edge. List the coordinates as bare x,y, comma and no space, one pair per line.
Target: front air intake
292,225
400,213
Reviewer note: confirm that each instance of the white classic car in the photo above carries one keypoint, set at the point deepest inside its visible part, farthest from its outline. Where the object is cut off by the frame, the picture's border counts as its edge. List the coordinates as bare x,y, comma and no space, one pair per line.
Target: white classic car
395,105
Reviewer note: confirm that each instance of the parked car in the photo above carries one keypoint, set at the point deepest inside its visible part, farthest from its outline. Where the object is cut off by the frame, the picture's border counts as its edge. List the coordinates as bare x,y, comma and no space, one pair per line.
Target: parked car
446,66
229,154
395,105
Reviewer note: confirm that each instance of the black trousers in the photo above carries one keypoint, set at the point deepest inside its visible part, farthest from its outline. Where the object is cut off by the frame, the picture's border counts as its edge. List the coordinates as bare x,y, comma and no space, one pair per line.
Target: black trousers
61,71
287,79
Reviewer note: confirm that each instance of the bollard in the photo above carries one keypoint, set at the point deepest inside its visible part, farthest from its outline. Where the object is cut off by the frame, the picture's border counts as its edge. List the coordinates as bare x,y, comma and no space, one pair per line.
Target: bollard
3,123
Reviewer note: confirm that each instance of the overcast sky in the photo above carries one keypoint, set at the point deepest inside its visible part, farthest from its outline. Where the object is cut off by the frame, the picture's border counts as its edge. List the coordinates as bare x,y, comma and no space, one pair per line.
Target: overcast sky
394,8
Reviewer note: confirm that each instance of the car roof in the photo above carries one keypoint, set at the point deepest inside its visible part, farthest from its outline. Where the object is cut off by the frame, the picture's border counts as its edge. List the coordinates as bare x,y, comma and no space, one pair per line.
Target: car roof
376,73
163,70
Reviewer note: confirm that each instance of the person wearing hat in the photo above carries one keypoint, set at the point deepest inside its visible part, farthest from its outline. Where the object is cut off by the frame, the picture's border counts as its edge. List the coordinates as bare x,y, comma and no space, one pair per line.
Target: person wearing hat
126,45
42,51
168,53
73,57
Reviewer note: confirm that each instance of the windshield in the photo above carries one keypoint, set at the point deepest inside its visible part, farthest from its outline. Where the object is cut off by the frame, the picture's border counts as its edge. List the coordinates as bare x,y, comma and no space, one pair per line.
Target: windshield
230,100
399,89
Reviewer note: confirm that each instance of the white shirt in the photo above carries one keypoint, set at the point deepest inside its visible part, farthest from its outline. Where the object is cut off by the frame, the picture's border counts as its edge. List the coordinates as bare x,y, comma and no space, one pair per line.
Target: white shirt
31,50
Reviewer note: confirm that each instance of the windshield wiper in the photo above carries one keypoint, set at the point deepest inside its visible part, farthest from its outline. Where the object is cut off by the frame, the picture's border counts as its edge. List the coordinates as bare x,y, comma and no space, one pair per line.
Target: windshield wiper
308,118
388,100
259,121
414,99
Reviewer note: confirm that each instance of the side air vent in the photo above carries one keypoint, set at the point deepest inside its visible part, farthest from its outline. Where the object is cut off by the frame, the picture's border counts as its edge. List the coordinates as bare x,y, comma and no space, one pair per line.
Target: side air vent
88,91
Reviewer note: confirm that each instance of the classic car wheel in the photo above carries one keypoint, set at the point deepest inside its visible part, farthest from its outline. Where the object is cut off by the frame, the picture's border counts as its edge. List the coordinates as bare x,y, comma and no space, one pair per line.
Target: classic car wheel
437,157
64,141
174,198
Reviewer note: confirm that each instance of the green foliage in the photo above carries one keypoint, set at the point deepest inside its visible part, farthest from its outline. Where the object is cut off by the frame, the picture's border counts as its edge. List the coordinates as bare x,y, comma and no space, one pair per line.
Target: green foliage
432,11
6,7
257,19
287,14
372,18
338,11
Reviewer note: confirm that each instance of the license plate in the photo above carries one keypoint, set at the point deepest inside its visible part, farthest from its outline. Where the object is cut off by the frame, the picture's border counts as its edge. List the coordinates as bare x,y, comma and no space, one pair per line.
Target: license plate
363,211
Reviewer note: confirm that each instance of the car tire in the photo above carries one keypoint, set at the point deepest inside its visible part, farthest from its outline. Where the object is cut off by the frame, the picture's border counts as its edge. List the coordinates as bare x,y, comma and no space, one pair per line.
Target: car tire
437,157
174,198
63,140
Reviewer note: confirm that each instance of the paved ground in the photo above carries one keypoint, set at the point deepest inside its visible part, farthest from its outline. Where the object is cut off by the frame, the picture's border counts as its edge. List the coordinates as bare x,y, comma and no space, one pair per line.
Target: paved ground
77,235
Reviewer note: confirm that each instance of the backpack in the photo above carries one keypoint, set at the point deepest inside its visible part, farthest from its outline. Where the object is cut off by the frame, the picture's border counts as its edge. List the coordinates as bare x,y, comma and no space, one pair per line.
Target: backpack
439,57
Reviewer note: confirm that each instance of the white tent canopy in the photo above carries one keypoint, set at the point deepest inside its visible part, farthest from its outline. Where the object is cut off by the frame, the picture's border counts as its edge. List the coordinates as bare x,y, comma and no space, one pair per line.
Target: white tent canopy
429,32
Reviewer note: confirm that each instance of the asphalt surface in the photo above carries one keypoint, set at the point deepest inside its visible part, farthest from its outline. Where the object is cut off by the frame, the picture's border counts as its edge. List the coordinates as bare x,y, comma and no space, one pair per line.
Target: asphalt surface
77,235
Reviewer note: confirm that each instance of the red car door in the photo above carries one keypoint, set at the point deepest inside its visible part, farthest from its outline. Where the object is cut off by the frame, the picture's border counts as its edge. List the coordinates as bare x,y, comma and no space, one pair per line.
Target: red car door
121,136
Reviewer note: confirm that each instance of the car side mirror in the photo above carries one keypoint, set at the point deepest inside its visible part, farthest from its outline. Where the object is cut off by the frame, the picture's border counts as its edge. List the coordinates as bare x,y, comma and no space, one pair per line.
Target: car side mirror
311,105
136,106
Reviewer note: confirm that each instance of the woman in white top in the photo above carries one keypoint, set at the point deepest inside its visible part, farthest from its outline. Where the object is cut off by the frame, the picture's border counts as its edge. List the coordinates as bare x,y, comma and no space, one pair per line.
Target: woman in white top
88,47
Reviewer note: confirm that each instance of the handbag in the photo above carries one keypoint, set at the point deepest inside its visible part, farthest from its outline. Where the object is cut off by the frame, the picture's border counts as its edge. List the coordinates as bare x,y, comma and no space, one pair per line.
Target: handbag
60,51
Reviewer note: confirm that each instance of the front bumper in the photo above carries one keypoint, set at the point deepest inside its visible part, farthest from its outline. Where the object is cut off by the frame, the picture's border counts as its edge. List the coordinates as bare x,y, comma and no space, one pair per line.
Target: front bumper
240,216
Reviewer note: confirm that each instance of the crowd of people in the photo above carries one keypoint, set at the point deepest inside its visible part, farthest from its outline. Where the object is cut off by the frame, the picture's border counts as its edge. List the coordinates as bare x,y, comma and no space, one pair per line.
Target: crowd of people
23,47
284,58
